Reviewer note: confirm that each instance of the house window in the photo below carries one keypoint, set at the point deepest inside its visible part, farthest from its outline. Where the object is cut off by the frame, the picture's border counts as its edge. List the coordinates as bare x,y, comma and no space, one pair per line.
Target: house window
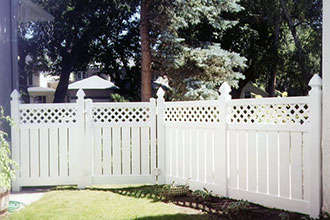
81,75
39,99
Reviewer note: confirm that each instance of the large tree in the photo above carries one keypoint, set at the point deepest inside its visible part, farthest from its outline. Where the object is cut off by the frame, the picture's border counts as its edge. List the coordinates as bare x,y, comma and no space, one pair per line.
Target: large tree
185,41
279,57
77,27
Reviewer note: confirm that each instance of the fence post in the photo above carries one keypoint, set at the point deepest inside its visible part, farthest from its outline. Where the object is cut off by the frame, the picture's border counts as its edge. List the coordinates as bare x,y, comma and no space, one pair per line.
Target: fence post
14,105
88,141
80,132
315,95
161,135
221,151
153,128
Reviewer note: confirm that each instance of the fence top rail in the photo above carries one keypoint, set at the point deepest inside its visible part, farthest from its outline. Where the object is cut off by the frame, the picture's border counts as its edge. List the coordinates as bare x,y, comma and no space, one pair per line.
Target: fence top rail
270,101
47,105
121,104
192,103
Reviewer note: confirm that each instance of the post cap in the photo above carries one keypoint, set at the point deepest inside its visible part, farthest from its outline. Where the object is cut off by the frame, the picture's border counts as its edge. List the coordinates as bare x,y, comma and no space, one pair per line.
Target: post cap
224,89
15,95
316,81
160,92
81,94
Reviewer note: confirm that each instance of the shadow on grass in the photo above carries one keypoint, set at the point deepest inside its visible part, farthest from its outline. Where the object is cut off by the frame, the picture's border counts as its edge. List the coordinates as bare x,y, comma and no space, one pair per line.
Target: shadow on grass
153,192
182,217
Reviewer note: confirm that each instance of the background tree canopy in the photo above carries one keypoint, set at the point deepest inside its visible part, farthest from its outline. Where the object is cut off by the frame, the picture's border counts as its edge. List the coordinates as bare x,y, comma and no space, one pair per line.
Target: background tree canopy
197,44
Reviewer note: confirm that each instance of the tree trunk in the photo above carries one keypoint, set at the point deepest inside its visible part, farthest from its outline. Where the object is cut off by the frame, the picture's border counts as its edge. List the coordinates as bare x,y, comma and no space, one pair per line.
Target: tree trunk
272,78
23,75
300,52
146,54
62,88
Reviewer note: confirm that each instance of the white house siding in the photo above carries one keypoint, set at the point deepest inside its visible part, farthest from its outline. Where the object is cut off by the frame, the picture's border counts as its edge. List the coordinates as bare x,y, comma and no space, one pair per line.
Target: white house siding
326,106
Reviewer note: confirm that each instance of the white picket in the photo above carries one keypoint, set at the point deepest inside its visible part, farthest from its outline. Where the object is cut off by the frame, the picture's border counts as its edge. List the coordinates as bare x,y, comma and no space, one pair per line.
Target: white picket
126,153
116,146
187,153
194,154
25,153
242,160
180,147
201,155
44,157
97,146
54,151
209,156
145,151
63,151
136,158
252,161
233,169
273,163
296,165
284,166
262,162
106,150
34,152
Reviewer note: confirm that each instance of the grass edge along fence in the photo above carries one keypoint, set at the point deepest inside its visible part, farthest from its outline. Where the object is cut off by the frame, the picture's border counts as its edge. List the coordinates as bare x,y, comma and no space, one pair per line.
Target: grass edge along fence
263,150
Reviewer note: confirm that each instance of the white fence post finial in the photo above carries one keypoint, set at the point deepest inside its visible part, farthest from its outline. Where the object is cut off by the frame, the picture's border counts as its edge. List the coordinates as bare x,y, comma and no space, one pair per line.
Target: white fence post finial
80,95
160,137
14,105
160,93
315,95
316,85
80,102
221,150
225,91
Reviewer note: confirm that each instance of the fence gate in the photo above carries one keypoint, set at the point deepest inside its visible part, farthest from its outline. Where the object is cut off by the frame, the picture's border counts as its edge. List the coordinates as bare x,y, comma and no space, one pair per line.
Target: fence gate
83,143
123,140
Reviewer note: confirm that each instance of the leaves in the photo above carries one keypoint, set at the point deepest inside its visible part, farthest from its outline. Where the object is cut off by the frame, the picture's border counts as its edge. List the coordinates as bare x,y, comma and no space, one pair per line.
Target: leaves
7,165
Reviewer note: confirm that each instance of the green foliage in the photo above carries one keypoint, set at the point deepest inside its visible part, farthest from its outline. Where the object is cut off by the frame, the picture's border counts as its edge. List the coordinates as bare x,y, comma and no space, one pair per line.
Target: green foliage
187,45
7,165
253,37
205,194
118,98
284,216
238,210
88,34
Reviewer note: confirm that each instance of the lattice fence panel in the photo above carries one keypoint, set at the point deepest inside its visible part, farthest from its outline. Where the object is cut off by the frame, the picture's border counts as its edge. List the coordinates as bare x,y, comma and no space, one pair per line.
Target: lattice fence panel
48,115
281,114
110,114
193,114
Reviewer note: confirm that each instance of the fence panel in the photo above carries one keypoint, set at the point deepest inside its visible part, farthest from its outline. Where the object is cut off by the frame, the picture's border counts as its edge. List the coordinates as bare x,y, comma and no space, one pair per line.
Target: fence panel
263,150
192,131
123,142
267,151
46,145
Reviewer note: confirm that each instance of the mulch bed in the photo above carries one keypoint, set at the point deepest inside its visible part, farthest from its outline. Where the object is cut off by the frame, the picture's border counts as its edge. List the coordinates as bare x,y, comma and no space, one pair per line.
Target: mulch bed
224,208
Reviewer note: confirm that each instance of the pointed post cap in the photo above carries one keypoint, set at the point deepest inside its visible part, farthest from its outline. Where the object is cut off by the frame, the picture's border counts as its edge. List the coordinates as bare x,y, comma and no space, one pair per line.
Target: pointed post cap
316,85
15,95
80,94
316,81
225,89
160,92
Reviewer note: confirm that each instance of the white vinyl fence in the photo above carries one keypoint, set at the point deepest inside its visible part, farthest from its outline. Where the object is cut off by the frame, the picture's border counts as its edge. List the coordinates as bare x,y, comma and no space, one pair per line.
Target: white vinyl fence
263,150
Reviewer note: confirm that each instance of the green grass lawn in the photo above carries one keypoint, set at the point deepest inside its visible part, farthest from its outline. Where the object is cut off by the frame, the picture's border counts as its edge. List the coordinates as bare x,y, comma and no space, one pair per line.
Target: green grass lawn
105,203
